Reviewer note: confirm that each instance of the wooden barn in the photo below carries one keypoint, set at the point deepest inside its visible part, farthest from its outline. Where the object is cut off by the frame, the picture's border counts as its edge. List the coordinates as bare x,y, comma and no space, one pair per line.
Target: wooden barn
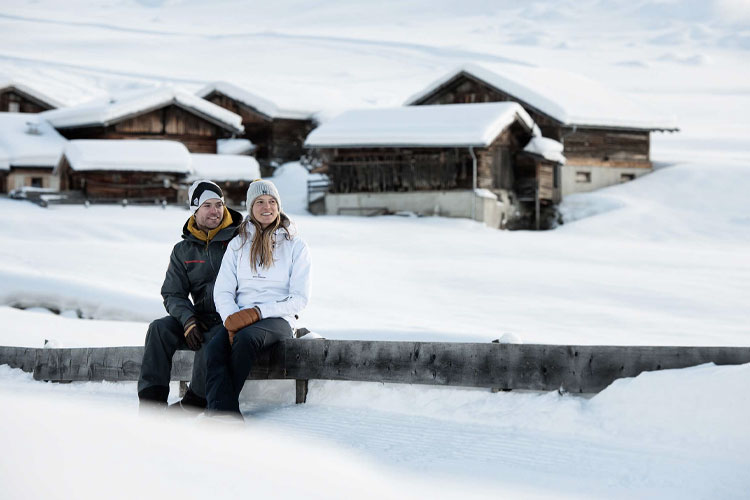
606,138
29,150
232,172
16,97
134,170
164,113
278,134
456,161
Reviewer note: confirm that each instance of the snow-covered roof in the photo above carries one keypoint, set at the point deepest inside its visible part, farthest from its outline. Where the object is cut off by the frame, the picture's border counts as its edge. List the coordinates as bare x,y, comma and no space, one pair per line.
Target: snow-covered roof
459,125
260,104
106,111
128,155
547,148
27,141
224,167
31,91
566,97
236,146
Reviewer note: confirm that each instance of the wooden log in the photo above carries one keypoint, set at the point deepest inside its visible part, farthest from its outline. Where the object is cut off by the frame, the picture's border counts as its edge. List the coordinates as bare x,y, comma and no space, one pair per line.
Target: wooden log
119,363
88,363
19,357
582,369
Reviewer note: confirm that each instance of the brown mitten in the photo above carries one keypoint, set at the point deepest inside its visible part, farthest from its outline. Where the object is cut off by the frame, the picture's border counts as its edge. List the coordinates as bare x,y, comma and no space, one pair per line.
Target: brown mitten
240,320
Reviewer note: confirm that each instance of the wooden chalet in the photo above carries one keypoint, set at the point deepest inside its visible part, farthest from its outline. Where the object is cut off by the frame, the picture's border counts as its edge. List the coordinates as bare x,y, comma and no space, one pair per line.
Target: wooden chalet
598,128
29,150
165,113
278,134
460,161
17,97
133,170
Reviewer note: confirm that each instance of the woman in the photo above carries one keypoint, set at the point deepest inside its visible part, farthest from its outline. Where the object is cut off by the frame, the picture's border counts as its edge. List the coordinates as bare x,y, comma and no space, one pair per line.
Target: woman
263,282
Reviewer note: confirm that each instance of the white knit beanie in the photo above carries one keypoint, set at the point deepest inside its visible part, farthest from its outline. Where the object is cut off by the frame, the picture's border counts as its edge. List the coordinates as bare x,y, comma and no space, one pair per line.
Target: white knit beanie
203,190
258,188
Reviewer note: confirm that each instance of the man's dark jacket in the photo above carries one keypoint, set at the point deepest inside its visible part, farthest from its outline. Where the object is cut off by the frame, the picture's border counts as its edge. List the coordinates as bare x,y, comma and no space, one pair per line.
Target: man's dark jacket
192,270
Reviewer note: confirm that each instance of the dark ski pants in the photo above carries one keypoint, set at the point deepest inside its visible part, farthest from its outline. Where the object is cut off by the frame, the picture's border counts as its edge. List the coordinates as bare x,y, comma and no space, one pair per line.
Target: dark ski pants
165,336
228,365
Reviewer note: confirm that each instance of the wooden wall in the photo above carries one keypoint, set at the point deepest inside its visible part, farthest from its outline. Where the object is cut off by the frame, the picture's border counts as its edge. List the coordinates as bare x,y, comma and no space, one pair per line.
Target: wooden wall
424,169
3,181
603,147
533,171
134,186
595,146
375,170
288,137
168,123
465,89
27,103
276,139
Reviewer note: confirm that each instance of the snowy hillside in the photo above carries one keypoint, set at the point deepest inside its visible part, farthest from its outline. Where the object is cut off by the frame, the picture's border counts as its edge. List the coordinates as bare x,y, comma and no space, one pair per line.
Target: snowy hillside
662,260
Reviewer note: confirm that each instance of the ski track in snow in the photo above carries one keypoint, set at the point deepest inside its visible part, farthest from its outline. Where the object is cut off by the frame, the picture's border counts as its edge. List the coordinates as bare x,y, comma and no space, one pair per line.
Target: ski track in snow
438,447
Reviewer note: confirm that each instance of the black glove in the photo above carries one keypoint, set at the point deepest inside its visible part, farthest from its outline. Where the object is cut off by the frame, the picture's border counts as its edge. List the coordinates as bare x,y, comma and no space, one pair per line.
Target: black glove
193,334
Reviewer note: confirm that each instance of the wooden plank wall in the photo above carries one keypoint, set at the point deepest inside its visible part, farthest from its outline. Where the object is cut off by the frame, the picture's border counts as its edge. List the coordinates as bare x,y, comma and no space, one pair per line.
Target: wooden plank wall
27,104
577,369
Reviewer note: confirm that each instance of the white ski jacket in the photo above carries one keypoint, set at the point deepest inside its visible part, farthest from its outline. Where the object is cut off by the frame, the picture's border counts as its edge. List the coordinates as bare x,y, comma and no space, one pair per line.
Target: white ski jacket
278,292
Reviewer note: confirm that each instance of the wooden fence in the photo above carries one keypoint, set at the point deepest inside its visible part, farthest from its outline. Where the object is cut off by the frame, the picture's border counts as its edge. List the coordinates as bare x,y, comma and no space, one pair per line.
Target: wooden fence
569,368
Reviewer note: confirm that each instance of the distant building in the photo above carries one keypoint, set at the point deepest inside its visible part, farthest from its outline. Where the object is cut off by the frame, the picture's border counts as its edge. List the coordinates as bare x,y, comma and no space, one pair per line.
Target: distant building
16,97
29,150
107,170
277,134
606,138
163,113
232,172
458,161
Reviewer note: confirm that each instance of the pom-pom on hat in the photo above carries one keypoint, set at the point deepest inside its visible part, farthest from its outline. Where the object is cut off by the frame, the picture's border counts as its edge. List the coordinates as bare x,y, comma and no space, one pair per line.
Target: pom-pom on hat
203,190
260,187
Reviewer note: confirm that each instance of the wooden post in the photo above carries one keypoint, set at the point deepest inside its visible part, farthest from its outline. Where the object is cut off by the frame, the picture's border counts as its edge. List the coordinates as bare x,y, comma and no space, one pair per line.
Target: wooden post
301,391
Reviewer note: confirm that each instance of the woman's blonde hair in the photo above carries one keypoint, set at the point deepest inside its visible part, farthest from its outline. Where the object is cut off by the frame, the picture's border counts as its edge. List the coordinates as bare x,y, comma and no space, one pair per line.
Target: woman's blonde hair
262,247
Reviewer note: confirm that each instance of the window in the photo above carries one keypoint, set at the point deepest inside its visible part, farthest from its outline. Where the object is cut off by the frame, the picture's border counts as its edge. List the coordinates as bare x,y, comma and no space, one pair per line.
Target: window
14,107
583,177
626,177
37,182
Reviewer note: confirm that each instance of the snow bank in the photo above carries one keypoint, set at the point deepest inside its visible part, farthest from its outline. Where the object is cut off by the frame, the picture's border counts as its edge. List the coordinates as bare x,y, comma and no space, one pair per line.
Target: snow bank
97,447
291,181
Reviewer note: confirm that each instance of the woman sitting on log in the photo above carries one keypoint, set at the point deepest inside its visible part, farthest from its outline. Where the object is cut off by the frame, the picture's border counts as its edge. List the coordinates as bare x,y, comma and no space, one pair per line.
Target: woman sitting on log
263,283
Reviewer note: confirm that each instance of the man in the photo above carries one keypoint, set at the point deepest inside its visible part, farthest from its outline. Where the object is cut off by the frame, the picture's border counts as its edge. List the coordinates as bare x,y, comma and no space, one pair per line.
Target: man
193,266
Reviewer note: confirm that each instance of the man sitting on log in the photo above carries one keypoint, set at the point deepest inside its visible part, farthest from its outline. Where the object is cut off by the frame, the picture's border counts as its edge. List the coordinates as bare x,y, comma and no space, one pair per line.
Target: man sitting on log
193,266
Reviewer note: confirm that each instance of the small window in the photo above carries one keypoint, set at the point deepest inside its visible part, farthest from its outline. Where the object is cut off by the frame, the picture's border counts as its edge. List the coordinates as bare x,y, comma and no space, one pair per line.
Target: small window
626,177
14,107
583,177
37,182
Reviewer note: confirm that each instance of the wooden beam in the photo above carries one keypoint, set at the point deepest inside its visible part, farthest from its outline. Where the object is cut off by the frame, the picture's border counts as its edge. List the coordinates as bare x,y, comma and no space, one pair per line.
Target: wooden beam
580,369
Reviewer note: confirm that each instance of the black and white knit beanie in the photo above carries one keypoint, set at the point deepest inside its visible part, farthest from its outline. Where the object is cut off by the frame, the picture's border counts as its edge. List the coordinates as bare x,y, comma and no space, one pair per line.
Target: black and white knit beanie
203,190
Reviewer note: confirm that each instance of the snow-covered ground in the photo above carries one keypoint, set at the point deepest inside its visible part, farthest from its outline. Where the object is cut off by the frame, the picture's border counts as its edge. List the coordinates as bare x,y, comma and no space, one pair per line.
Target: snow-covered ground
660,260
